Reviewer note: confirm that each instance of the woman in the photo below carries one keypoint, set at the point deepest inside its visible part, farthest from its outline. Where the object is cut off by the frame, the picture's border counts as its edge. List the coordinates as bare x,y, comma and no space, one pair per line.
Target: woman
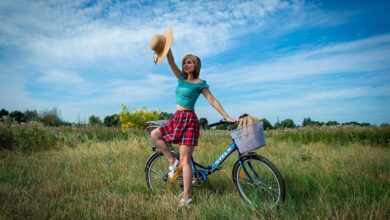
183,128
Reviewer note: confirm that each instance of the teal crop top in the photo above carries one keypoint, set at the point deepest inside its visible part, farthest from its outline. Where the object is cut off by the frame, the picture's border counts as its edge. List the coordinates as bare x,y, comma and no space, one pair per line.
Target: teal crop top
187,93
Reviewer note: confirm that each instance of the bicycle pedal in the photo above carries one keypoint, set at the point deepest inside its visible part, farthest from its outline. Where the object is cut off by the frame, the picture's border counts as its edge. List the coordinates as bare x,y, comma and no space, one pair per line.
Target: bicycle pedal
176,176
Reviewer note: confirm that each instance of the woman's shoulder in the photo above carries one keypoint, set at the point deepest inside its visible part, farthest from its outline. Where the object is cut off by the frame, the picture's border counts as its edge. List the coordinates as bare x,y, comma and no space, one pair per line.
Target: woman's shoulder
202,84
199,80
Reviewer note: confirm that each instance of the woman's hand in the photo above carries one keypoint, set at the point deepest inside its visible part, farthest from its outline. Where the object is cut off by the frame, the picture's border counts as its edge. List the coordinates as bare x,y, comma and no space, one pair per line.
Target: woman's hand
229,119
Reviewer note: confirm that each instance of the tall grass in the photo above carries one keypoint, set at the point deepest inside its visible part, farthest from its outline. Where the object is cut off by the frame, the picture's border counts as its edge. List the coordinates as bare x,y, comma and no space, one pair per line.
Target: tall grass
26,137
105,180
29,136
335,135
34,136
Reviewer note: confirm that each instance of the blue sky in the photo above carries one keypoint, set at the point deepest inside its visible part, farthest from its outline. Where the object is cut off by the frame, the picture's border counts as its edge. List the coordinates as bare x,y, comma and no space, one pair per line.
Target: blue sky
327,60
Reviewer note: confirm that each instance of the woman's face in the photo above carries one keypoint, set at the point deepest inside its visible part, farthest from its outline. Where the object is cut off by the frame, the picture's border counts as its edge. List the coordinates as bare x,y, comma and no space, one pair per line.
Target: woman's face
189,66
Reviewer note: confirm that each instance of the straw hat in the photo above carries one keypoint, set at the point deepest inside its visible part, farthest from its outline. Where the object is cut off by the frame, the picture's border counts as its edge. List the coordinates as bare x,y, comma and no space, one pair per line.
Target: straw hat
161,44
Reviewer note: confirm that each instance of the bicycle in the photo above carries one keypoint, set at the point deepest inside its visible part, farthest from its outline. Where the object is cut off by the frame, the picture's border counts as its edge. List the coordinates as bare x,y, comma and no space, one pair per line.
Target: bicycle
257,179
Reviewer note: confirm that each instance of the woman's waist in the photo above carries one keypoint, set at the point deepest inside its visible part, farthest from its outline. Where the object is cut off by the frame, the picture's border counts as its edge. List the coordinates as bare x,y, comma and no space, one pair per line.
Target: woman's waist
183,113
181,108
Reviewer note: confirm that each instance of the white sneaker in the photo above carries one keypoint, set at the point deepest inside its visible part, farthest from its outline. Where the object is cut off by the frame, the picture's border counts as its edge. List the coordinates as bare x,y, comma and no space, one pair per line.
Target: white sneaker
185,202
172,169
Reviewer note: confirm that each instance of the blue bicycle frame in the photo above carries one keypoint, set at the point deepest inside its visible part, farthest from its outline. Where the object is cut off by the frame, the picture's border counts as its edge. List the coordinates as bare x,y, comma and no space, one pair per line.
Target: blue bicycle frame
205,171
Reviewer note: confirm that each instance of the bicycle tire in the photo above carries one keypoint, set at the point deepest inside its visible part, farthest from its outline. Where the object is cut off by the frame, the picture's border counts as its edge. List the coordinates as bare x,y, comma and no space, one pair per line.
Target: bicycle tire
156,169
258,181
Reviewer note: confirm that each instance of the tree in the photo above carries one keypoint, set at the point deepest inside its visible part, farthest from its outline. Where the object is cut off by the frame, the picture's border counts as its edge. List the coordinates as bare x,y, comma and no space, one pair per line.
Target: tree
306,122
267,125
18,116
111,120
351,123
309,122
3,112
287,123
332,123
204,124
226,126
277,125
50,117
356,123
94,120
31,115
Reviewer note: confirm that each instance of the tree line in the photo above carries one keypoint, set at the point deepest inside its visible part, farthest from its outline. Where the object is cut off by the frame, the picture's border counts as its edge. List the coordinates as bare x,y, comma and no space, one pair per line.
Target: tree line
52,118
289,123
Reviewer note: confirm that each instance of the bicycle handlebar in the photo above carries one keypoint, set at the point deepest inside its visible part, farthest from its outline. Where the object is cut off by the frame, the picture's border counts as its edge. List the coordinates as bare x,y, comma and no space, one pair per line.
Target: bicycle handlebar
222,121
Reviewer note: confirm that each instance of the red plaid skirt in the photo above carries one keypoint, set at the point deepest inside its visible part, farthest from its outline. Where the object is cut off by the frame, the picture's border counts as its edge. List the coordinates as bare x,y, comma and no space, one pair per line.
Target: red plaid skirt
182,128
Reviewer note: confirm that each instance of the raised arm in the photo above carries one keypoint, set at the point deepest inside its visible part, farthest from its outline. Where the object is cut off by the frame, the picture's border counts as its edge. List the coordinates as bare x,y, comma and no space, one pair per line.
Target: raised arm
215,103
172,64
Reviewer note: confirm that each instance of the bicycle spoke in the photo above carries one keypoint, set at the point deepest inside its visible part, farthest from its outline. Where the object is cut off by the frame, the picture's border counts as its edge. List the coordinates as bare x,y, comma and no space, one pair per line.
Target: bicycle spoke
262,194
158,172
257,179
263,186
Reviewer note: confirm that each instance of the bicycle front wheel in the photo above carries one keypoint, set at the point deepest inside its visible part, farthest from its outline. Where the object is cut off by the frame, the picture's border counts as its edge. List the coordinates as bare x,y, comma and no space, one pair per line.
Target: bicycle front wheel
156,171
258,181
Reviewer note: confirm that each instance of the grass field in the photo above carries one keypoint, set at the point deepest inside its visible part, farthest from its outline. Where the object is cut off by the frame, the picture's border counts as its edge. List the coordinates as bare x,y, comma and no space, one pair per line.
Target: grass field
106,180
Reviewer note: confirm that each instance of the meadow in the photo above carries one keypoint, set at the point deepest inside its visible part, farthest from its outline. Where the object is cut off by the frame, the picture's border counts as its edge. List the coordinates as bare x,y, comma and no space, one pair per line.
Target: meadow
80,173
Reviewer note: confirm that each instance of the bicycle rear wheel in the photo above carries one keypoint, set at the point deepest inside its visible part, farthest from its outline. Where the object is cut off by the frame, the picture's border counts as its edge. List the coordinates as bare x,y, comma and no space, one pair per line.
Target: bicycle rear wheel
156,170
258,181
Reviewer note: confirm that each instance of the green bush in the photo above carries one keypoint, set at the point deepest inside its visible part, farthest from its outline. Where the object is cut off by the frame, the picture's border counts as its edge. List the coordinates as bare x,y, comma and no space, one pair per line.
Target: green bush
26,136
34,136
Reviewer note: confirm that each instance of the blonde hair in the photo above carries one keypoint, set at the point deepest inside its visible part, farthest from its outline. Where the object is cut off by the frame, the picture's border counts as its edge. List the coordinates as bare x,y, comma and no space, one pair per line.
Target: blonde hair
197,63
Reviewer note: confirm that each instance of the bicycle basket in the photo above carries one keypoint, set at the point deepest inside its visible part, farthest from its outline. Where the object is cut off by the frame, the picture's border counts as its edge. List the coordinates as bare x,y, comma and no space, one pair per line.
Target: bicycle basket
249,138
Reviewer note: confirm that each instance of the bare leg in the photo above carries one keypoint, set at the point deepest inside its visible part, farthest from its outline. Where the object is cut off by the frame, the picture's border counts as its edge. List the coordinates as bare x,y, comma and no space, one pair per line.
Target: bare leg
162,145
185,162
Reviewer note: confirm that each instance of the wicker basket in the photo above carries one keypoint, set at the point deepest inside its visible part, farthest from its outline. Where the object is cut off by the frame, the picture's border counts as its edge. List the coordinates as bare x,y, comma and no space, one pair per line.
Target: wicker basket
249,138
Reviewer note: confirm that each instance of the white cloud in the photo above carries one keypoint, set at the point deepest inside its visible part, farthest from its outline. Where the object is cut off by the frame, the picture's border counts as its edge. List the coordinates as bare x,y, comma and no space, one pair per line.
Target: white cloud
364,55
125,92
73,33
149,88
61,77
98,44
